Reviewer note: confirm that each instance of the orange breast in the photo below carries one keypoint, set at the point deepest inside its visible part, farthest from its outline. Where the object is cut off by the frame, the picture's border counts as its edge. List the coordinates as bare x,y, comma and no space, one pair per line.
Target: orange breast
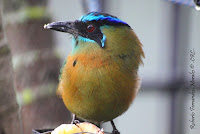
97,88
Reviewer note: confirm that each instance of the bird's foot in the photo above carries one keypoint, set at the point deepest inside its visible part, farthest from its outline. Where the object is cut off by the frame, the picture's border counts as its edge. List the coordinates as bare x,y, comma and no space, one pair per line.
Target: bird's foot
115,132
75,122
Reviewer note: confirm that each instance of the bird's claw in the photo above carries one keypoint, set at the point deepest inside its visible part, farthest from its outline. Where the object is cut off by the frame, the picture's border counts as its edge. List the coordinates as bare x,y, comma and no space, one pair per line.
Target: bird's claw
115,132
75,122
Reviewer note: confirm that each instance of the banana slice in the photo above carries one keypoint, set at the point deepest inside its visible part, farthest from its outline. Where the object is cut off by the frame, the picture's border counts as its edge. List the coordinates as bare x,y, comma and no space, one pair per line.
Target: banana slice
78,128
66,129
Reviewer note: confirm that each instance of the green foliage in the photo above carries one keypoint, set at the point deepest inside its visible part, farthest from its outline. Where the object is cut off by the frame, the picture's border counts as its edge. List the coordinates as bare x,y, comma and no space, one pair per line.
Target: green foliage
26,13
27,96
35,12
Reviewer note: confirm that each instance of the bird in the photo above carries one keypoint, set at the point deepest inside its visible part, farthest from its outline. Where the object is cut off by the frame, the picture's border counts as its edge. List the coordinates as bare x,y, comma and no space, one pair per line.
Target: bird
99,79
197,4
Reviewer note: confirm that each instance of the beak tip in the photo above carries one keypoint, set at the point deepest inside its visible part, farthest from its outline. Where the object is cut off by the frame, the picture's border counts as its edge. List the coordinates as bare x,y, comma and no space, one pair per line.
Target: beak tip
47,26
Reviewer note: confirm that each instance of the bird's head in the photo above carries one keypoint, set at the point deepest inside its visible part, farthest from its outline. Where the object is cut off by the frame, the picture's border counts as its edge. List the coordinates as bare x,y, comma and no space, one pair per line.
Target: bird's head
89,27
101,33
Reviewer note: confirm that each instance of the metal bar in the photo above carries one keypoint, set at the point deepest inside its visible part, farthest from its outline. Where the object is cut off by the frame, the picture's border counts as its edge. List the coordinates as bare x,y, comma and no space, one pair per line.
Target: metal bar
178,67
93,5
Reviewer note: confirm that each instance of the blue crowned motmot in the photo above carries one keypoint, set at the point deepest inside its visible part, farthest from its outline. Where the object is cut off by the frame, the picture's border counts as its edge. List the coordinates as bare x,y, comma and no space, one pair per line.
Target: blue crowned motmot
99,79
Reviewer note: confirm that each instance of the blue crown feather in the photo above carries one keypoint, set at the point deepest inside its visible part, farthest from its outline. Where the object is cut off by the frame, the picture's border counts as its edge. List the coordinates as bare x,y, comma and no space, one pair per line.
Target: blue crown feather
95,16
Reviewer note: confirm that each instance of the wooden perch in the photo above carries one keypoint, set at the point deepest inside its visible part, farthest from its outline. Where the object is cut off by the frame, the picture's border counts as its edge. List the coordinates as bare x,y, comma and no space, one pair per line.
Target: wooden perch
9,109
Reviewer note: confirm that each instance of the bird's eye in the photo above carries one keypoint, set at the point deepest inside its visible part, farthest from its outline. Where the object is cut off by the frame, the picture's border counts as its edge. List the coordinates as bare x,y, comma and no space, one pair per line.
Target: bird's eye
90,28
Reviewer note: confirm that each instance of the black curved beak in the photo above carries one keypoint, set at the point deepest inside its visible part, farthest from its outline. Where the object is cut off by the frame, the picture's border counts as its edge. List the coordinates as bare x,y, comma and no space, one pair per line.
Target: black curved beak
72,28
65,26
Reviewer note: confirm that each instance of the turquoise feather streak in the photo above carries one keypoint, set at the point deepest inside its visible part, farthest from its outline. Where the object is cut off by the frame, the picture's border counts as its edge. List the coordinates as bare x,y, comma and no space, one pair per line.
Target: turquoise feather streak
93,17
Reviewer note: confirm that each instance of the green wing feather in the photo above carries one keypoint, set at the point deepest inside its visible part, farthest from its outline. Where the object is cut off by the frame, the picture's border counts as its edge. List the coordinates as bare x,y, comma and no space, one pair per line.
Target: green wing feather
62,69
